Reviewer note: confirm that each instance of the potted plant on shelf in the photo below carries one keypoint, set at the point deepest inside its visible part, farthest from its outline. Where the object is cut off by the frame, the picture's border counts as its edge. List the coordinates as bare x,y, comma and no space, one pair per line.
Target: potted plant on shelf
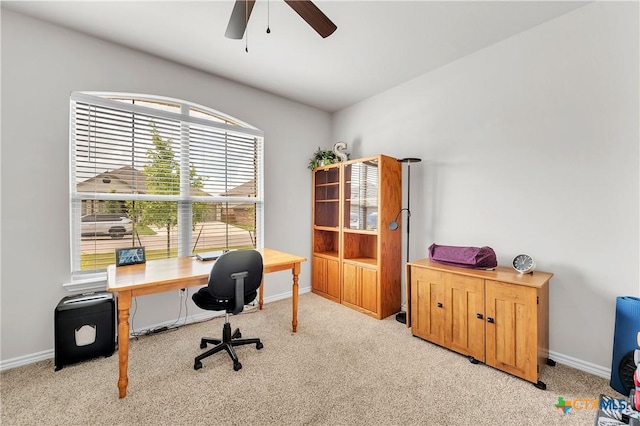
322,157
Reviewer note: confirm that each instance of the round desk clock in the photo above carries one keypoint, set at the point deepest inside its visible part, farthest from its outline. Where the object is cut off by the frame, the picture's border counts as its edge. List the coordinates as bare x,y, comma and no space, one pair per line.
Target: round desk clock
524,263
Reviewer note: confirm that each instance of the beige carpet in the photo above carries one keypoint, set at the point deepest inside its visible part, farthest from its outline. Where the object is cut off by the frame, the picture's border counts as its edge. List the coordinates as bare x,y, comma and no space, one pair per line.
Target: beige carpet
340,368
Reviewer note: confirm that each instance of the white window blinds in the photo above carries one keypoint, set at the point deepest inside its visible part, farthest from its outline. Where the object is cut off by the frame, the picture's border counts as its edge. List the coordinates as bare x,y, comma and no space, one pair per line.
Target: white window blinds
175,178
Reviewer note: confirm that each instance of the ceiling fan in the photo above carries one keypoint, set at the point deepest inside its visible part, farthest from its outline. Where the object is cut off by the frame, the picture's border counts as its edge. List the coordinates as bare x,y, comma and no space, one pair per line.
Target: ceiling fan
305,8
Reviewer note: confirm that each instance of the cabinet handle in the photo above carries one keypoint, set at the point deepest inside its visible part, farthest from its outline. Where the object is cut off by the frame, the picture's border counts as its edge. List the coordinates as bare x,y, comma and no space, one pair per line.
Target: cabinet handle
439,304
479,316
489,319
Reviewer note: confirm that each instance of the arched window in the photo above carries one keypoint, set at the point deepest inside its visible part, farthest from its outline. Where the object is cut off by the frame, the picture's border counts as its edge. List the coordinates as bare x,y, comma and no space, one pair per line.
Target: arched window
168,175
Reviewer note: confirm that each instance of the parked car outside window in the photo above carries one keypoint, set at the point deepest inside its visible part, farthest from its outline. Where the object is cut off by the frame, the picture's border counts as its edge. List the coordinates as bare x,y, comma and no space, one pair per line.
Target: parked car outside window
114,225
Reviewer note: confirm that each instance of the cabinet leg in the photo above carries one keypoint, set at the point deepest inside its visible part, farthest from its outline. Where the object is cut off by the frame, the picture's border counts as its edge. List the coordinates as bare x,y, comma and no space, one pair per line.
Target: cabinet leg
550,362
472,360
540,385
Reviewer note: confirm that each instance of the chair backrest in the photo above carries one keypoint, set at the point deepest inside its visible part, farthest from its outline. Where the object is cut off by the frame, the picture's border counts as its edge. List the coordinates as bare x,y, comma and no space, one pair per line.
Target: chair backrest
236,275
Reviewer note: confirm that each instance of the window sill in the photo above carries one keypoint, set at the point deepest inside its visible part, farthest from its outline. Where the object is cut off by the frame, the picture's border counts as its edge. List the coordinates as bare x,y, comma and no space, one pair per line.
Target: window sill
95,282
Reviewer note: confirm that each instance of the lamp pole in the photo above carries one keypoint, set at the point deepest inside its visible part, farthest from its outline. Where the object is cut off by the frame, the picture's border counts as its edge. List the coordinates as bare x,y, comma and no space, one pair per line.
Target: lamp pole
402,316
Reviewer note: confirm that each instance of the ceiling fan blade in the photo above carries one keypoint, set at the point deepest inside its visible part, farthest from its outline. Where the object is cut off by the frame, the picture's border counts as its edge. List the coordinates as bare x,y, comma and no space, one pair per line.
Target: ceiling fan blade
239,18
314,16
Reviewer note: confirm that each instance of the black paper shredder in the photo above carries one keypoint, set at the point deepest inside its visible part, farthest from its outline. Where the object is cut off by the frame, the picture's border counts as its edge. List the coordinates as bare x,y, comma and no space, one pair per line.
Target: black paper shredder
84,328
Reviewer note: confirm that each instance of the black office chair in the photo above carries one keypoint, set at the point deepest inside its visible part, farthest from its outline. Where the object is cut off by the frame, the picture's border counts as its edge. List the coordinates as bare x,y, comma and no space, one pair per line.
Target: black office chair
233,282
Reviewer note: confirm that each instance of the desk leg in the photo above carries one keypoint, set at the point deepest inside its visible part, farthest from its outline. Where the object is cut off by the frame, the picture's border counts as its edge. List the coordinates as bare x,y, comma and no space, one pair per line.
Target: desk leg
124,303
261,294
296,271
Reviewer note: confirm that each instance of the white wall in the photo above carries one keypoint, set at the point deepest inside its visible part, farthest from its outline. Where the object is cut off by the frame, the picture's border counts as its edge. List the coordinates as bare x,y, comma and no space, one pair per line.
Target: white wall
529,145
41,65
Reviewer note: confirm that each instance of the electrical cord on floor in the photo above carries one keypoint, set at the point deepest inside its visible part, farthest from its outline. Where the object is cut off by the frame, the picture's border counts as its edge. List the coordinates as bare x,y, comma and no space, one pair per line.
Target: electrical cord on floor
173,326
184,293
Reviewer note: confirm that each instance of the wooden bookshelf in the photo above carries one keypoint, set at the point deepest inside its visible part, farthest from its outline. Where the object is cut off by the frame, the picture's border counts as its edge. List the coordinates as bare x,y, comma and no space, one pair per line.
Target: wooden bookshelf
353,204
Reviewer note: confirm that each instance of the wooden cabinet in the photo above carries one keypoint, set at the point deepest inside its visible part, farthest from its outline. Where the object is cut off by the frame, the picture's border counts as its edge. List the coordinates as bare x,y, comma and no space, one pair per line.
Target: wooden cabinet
498,317
353,203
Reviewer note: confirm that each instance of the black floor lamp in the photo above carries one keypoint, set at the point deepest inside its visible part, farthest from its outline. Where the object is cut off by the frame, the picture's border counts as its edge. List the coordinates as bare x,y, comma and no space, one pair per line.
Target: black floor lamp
402,316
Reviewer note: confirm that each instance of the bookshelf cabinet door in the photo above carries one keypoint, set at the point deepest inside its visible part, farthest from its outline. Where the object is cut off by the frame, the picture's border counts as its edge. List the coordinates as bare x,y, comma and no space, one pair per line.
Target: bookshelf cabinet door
360,288
333,278
319,281
350,284
326,278
369,289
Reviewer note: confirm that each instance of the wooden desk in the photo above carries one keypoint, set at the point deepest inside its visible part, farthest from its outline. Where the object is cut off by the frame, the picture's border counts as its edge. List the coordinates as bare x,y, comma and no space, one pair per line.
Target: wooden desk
157,276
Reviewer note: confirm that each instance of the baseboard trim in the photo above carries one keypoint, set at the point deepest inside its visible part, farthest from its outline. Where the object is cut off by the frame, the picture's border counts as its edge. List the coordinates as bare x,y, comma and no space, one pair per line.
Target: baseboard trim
581,365
50,353
26,360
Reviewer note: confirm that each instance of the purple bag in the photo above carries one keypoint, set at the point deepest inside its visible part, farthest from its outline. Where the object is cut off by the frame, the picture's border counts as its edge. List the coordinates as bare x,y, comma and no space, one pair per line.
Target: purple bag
466,257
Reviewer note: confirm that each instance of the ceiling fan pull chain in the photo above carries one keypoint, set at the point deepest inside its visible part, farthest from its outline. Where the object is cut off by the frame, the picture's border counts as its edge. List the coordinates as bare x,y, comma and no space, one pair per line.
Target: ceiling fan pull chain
246,26
268,16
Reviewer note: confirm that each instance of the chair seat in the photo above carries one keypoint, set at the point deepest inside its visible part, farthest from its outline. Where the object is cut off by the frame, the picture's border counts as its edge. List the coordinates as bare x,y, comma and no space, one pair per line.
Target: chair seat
204,300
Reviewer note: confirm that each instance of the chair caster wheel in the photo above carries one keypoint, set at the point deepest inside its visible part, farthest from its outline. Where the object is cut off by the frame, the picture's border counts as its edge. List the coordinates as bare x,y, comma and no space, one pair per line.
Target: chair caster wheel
259,345
237,366
203,345
238,335
197,366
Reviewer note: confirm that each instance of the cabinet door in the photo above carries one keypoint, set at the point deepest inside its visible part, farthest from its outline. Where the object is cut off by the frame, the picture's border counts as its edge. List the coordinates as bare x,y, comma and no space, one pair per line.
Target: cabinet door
369,289
464,303
350,284
360,287
427,305
326,278
319,275
333,278
511,329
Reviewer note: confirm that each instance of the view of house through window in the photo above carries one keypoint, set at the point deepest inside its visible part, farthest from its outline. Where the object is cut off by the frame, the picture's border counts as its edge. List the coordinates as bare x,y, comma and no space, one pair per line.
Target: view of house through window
173,177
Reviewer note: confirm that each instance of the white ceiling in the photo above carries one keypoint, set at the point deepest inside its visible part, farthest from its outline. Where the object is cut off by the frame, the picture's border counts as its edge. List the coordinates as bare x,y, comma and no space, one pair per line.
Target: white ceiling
378,44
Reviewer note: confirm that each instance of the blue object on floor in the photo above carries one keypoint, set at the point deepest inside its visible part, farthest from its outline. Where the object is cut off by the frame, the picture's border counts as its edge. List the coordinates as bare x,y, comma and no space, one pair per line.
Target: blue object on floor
625,339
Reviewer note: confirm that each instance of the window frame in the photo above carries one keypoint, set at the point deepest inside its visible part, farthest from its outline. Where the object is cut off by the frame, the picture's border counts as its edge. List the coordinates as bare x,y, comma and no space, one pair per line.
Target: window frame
96,279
